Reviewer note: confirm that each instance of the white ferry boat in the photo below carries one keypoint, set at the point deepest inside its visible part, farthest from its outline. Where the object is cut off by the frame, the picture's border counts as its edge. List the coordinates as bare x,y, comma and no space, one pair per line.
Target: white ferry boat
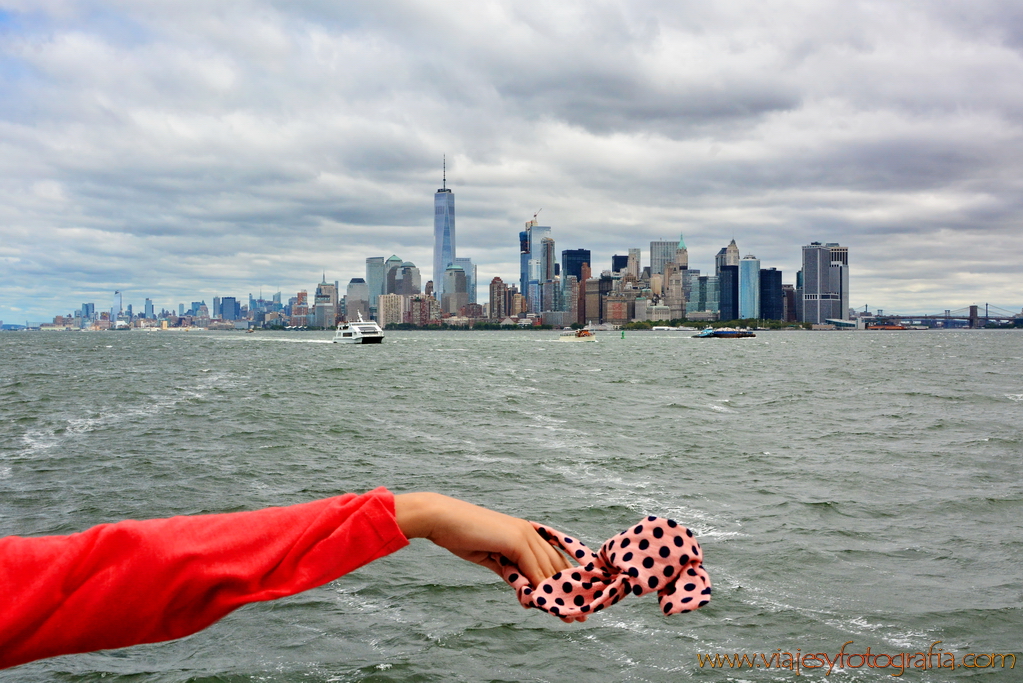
359,332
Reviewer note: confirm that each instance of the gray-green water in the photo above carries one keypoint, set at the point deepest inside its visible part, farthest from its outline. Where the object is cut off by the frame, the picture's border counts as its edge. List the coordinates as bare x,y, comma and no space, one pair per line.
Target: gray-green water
844,486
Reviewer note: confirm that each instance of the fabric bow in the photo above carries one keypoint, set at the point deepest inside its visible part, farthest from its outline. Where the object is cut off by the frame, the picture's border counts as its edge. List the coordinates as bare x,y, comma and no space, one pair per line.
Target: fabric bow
655,555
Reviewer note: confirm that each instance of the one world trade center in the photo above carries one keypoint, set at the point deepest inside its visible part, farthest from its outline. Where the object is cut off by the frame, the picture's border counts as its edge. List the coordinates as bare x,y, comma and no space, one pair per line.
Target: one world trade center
443,234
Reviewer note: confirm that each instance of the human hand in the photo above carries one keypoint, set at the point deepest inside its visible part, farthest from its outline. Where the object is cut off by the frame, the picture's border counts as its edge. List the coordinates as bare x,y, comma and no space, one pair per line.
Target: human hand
477,534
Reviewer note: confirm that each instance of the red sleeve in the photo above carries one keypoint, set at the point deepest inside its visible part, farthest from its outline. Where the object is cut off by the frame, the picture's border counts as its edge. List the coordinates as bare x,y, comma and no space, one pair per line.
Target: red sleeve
143,582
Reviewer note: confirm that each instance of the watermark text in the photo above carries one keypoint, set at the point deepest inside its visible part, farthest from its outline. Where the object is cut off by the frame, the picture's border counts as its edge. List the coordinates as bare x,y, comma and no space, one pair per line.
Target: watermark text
800,662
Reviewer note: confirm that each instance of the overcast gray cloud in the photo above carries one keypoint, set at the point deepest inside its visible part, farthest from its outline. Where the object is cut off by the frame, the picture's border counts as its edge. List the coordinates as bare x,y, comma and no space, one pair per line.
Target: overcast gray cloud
179,150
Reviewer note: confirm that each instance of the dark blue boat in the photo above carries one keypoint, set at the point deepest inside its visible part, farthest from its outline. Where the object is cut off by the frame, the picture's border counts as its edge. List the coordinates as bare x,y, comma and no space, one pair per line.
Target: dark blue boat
723,333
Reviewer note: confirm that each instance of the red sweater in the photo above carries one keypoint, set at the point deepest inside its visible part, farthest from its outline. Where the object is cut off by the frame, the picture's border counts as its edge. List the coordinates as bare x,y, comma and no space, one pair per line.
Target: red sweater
143,582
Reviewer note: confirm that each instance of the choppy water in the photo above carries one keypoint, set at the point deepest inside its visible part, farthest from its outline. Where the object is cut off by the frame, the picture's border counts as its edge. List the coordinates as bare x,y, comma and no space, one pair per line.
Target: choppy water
844,486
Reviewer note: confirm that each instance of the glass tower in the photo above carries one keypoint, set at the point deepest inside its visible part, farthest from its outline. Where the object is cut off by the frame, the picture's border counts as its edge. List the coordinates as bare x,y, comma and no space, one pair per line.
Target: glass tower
728,283
772,296
443,234
749,287
572,261
374,279
470,277
706,295
531,262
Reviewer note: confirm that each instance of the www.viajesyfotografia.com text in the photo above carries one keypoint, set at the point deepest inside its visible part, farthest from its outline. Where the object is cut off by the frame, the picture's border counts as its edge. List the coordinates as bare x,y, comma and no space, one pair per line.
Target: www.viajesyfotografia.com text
798,661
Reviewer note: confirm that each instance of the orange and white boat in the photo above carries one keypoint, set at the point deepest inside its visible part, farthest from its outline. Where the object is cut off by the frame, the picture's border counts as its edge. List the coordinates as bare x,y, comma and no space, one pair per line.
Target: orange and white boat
583,335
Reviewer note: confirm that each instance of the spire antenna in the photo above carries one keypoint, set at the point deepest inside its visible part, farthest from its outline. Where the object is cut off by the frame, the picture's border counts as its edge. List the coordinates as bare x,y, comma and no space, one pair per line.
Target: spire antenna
445,185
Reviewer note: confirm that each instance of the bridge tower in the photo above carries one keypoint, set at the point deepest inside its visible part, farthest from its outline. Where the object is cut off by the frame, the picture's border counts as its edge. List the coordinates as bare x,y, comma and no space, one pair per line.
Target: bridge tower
974,317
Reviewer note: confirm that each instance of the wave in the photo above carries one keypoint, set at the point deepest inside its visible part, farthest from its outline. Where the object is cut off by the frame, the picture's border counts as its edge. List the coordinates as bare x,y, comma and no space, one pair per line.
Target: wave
41,441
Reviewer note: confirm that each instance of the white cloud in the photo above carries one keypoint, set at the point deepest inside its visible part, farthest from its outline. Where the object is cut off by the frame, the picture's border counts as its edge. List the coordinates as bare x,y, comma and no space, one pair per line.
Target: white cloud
181,150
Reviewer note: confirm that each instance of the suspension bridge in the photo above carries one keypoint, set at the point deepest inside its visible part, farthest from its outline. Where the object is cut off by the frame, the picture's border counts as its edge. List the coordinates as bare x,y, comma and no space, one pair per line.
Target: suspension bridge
975,316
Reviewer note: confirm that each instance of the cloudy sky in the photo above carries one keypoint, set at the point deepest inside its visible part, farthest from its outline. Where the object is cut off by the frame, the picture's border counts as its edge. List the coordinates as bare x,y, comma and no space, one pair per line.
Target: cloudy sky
184,149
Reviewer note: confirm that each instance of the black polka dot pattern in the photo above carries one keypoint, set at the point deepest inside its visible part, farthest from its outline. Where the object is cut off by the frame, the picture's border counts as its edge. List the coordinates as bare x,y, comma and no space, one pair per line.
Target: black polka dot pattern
660,553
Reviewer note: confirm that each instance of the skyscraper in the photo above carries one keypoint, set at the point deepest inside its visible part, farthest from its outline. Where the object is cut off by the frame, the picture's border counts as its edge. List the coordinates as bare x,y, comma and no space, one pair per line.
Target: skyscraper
728,256
374,279
689,276
632,265
591,294
674,292
705,295
548,259
407,280
455,295
392,268
572,261
115,310
825,282
150,315
749,287
788,293
570,299
840,277
772,297
230,309
443,232
728,283
524,256
299,309
470,277
325,304
531,267
661,252
498,299
681,254
391,309
357,299
583,300
550,294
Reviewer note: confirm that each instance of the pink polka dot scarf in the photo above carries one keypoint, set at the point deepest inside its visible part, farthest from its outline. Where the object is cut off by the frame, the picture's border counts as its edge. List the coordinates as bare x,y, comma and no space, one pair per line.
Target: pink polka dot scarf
655,555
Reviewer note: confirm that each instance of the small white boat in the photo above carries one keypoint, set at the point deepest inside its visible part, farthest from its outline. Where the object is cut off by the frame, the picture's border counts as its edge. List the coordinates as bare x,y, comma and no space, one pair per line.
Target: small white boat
359,332
577,336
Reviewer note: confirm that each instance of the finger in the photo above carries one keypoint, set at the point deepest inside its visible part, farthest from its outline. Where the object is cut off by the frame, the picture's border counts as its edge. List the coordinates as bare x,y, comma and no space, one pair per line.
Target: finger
534,567
492,564
557,559
549,559
539,560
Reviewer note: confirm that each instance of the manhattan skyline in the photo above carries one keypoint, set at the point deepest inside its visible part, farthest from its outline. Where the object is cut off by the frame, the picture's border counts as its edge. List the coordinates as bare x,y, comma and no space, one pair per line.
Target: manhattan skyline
175,154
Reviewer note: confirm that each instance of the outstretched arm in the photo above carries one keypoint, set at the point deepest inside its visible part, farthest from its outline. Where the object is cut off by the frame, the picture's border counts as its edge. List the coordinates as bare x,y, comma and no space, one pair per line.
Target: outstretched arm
148,581
477,534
